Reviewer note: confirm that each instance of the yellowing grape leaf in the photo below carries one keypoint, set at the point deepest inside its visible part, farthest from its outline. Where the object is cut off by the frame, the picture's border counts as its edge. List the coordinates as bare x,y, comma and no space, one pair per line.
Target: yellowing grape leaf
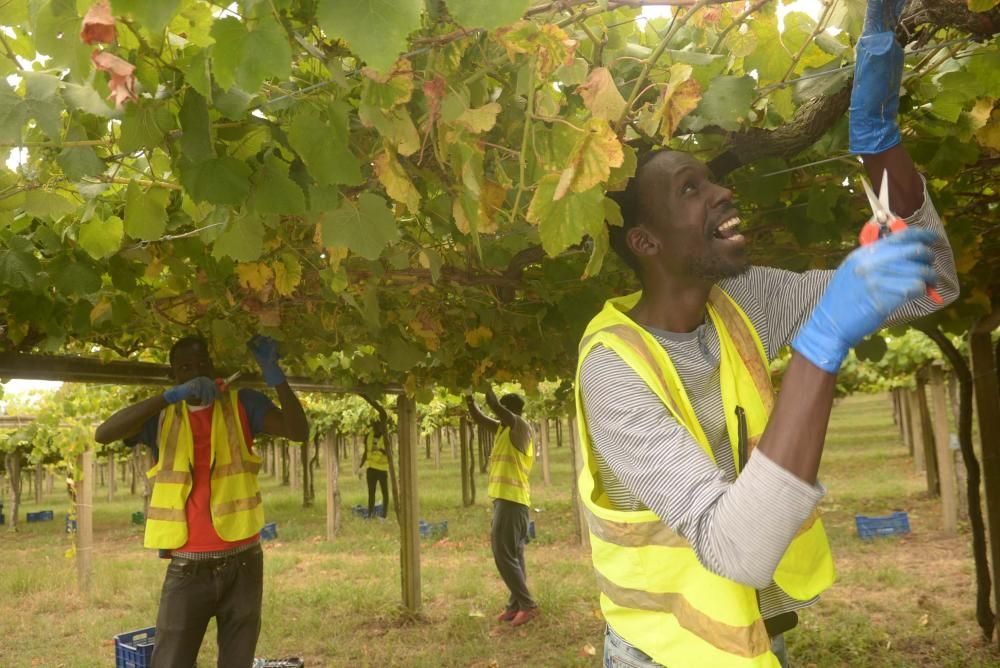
479,119
678,99
287,274
596,152
254,275
989,134
478,336
386,91
394,179
601,96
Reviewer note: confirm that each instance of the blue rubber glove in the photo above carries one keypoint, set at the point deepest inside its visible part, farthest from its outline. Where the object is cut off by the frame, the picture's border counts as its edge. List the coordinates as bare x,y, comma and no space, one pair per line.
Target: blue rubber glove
265,351
201,388
871,283
878,73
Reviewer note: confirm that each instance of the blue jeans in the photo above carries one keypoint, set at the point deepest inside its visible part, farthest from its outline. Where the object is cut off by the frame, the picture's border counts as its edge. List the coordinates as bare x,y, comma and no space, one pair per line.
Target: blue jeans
618,653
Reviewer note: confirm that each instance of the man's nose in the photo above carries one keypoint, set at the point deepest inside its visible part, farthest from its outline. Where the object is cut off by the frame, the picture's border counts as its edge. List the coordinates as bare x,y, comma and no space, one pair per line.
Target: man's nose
721,195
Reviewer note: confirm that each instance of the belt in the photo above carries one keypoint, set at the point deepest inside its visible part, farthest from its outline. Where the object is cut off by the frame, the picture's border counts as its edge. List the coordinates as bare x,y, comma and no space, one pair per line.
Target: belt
198,565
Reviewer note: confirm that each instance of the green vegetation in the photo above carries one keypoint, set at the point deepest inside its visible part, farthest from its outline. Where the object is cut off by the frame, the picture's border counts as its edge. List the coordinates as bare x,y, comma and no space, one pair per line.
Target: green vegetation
898,603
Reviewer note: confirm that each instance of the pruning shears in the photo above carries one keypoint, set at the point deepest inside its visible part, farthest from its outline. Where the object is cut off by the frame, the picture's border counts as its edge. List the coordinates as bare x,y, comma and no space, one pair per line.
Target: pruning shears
224,384
884,222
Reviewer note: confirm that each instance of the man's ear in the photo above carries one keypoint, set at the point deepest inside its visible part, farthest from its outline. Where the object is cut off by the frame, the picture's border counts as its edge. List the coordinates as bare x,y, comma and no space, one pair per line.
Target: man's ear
641,242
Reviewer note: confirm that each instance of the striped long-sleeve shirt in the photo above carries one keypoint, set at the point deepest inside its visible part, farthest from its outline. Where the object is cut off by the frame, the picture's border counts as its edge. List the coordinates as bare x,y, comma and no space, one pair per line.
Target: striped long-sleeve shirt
740,527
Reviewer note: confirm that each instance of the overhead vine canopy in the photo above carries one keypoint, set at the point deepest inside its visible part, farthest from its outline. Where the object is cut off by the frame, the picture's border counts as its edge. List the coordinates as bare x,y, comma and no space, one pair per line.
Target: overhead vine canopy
416,190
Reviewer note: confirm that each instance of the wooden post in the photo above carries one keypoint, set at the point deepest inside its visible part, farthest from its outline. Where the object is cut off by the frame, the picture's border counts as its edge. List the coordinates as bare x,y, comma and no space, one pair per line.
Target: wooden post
39,470
463,429
111,476
916,430
559,437
930,456
332,485
354,456
543,443
305,470
84,520
436,448
945,457
409,503
451,442
904,417
582,532
988,412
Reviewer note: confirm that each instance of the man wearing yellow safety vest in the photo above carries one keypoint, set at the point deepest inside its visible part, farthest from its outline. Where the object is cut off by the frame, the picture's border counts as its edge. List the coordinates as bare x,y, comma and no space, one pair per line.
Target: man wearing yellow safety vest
510,465
700,487
377,456
205,510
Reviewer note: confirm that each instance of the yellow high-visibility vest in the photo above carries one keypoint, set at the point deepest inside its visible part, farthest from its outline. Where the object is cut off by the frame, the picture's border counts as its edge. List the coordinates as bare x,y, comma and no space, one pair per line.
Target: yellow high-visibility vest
509,469
237,510
377,459
654,592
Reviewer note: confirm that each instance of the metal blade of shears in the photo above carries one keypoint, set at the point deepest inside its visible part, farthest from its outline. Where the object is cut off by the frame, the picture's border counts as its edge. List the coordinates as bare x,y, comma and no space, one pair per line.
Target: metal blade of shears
873,201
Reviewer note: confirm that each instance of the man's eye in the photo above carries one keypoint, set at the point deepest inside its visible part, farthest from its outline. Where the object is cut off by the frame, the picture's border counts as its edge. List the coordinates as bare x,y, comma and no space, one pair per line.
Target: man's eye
688,187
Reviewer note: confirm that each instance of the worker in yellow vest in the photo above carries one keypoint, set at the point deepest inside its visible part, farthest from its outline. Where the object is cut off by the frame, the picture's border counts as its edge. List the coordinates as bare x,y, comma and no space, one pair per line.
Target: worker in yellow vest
510,465
205,512
699,486
376,455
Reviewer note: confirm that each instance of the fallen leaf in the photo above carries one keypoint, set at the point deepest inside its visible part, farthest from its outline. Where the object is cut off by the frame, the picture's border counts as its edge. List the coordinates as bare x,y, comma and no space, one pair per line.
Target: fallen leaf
588,650
98,24
477,613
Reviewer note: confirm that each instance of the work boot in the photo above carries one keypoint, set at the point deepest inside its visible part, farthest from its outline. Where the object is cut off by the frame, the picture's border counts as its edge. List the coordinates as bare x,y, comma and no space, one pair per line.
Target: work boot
507,615
525,616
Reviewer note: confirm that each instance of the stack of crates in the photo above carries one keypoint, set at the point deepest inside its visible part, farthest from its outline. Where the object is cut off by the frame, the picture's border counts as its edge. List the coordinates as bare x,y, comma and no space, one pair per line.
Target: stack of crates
135,648
138,518
896,524
362,511
41,516
1,514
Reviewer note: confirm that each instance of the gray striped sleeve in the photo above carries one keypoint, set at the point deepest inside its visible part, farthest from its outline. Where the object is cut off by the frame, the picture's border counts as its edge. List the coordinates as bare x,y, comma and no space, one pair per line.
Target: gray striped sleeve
738,530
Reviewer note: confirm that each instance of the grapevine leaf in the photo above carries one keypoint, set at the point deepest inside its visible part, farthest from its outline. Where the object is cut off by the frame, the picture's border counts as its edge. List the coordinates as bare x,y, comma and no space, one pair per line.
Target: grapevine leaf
364,226
564,222
323,146
222,180
243,240
376,30
145,212
101,238
487,14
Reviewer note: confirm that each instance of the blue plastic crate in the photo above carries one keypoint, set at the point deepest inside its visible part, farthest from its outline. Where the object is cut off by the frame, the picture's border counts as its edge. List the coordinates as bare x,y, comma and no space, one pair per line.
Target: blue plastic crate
290,662
135,648
41,516
531,529
433,529
896,524
270,531
362,511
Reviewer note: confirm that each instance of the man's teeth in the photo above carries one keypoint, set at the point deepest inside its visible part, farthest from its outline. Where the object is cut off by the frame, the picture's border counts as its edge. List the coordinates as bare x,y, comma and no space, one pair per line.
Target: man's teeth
729,224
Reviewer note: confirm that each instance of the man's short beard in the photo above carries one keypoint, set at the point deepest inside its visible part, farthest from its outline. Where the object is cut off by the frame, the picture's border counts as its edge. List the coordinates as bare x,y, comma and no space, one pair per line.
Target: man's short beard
714,268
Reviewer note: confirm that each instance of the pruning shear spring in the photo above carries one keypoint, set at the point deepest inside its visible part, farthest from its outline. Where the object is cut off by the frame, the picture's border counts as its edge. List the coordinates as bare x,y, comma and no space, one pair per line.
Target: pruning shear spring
884,222
224,384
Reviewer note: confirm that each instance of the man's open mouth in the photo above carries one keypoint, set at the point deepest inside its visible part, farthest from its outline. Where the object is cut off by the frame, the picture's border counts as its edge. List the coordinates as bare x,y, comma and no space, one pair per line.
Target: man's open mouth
729,229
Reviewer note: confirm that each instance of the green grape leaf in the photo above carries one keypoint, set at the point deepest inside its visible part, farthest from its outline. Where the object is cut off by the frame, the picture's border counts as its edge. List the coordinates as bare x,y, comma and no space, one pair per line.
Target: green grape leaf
196,142
45,204
101,238
145,212
75,275
222,180
274,192
564,222
487,14
726,103
365,226
323,146
243,240
144,127
376,30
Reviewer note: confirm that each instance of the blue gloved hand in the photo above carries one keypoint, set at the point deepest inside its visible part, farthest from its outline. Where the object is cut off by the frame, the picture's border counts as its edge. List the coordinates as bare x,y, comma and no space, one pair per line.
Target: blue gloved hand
201,388
871,283
878,73
265,351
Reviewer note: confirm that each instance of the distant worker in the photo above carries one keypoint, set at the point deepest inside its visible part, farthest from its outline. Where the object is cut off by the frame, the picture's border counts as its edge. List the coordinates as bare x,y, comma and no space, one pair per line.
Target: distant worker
377,456
510,465
205,509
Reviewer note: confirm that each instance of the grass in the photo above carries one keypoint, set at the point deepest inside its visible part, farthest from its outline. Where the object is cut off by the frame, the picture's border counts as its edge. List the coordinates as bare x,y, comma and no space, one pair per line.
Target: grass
898,602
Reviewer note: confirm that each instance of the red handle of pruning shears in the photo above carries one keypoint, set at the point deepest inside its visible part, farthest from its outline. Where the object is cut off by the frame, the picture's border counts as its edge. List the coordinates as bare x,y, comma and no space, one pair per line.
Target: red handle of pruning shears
891,223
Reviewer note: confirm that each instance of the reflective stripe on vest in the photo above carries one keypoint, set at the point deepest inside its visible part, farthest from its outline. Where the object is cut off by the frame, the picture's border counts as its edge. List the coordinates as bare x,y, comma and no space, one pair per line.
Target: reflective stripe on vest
655,593
509,469
236,507
377,459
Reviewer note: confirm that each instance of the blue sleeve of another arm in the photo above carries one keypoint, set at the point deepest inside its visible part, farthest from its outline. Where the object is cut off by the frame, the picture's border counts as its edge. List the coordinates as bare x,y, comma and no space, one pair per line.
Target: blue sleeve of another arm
256,405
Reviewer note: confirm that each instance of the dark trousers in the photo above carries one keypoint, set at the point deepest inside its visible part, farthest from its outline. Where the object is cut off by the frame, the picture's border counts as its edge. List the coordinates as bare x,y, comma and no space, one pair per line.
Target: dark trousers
228,589
382,478
508,536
